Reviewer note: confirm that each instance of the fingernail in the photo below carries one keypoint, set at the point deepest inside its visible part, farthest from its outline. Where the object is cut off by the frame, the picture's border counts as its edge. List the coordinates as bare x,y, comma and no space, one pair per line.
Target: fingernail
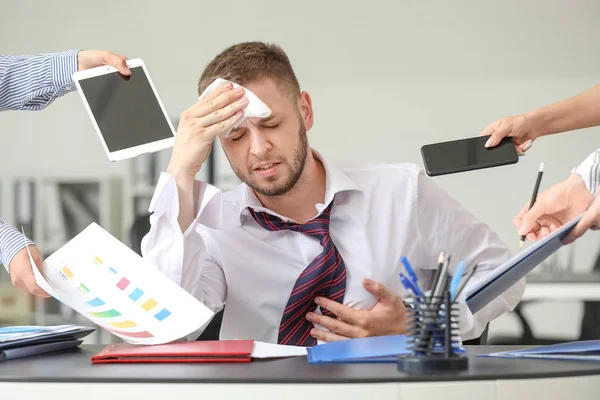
313,332
242,100
239,91
309,317
368,282
523,230
227,85
318,300
527,145
489,142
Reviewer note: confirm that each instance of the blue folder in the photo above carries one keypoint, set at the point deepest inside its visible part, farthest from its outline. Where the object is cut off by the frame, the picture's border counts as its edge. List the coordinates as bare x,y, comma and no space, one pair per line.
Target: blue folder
378,349
37,349
586,350
507,274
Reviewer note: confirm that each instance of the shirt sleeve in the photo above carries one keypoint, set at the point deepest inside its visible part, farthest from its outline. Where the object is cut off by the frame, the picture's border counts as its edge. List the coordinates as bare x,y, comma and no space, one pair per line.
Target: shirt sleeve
33,82
443,224
189,258
11,242
589,170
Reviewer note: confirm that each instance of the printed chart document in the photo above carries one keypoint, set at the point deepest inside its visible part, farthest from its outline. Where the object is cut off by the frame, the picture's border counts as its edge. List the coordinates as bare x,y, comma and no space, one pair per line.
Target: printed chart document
111,285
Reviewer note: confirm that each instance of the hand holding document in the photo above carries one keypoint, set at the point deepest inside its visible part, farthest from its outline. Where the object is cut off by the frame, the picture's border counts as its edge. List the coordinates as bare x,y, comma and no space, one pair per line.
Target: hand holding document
111,285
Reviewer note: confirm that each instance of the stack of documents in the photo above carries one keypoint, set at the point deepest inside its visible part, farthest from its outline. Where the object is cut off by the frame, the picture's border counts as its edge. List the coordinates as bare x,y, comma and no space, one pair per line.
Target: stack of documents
112,286
24,341
587,350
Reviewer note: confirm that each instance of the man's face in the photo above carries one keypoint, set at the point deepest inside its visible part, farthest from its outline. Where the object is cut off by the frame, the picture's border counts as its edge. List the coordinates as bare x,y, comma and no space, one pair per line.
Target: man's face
268,154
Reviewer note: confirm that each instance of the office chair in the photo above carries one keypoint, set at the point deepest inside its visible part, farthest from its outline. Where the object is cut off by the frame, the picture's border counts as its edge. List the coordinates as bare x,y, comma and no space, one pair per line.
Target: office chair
139,229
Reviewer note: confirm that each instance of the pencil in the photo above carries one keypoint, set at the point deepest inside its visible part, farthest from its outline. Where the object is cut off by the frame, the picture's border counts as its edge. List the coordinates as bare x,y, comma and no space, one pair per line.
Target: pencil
465,281
438,271
534,196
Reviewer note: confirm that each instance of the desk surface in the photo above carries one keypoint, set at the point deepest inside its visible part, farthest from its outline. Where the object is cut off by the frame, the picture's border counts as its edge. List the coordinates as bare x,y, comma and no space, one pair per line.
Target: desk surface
75,367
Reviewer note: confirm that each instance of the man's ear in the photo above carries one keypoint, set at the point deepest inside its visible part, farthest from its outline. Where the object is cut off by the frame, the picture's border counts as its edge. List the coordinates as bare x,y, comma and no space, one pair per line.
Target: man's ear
305,109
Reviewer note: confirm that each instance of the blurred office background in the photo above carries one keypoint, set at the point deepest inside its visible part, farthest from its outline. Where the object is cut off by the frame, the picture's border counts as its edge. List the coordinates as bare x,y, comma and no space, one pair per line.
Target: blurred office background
386,77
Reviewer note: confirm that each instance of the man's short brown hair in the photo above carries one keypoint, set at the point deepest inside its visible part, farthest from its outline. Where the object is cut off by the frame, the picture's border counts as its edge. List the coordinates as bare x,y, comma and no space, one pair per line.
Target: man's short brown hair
251,62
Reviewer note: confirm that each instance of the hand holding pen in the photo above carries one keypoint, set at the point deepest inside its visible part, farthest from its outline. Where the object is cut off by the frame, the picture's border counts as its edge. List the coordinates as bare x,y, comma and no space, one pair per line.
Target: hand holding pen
536,188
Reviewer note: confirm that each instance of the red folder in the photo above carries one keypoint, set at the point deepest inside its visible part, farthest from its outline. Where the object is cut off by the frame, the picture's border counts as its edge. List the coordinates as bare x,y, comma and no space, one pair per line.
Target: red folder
178,352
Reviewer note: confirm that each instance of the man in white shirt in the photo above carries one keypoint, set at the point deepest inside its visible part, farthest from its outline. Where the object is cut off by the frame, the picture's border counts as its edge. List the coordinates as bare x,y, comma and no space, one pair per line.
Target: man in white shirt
305,250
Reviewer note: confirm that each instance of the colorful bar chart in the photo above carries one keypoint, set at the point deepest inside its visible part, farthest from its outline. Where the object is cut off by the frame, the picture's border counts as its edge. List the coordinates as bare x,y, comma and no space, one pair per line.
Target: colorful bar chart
124,284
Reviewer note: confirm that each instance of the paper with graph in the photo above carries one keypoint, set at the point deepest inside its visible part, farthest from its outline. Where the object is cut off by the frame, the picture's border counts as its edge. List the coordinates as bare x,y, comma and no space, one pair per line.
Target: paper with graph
102,279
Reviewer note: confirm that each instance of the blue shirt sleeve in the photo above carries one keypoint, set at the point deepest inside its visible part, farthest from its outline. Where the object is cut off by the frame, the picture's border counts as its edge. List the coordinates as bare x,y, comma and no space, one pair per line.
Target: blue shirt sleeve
33,82
11,242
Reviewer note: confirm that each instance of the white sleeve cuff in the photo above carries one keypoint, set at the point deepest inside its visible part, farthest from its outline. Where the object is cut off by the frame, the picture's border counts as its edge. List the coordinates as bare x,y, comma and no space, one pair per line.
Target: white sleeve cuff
207,198
589,170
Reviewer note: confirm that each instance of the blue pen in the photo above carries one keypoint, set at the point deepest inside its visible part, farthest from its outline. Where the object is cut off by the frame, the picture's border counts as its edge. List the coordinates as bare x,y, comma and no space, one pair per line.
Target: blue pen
460,269
408,284
411,274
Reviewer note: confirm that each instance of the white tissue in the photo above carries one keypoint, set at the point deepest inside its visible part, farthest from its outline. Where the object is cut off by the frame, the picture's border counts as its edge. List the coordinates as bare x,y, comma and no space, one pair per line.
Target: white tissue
255,108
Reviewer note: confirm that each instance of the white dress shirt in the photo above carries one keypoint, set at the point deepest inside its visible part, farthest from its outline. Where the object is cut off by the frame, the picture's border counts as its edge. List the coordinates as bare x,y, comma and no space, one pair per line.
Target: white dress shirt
589,170
381,213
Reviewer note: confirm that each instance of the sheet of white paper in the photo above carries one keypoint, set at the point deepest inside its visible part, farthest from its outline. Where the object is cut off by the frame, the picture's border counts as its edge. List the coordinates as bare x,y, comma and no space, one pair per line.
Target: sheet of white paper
270,350
111,285
501,278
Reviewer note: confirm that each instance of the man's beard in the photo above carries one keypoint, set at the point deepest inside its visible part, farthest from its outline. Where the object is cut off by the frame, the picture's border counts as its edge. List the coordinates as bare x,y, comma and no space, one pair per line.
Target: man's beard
297,168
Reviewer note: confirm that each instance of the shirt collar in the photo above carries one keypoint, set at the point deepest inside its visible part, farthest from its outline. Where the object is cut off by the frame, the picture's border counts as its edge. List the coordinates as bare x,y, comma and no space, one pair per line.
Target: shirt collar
336,181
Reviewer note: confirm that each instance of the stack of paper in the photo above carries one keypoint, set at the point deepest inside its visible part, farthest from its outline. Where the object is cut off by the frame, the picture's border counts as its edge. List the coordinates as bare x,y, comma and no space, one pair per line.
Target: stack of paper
111,285
587,350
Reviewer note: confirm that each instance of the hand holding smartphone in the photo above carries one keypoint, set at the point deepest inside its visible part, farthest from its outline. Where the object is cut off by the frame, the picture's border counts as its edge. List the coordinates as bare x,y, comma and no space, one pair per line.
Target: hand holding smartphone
467,155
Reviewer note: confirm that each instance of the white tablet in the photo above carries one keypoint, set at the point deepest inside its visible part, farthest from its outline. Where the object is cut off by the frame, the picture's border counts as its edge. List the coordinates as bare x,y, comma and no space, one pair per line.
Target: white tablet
126,111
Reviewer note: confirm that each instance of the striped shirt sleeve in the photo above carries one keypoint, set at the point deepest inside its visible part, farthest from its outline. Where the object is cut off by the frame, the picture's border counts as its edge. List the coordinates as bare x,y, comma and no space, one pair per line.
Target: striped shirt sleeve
11,242
33,82
589,170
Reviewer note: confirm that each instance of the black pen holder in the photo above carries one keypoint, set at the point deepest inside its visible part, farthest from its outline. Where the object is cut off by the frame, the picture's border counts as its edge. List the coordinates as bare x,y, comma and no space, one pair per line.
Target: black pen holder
433,337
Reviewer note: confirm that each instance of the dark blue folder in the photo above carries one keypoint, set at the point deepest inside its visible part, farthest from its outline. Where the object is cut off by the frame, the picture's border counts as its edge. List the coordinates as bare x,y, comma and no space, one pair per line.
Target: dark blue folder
43,342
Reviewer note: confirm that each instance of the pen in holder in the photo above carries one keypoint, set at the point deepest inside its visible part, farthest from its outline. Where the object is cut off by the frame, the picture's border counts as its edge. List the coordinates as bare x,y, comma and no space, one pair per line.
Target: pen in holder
433,336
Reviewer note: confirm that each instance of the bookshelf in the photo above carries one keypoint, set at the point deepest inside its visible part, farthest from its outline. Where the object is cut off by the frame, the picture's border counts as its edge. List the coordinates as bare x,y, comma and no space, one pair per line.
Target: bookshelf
52,210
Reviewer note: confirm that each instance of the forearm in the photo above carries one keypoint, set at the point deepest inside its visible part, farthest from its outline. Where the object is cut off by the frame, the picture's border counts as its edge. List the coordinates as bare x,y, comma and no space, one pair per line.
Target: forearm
33,82
578,112
11,242
184,256
185,193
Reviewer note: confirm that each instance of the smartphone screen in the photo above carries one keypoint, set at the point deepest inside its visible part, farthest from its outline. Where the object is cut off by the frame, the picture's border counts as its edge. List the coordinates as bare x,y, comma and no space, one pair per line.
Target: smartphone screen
466,155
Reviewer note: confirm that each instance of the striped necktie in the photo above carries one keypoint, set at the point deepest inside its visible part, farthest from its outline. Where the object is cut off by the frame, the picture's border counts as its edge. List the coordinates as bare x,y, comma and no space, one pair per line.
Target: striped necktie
325,276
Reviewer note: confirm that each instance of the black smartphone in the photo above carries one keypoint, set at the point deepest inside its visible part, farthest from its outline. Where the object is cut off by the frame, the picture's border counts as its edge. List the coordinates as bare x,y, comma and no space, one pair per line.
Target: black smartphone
467,155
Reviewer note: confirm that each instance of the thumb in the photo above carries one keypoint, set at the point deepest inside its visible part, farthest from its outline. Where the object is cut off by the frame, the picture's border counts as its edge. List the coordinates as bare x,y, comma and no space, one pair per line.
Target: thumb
489,129
586,222
378,290
500,132
119,62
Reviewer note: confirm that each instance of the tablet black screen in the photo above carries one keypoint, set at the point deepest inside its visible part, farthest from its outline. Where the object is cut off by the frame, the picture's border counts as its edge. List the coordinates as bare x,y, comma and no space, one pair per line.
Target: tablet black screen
126,109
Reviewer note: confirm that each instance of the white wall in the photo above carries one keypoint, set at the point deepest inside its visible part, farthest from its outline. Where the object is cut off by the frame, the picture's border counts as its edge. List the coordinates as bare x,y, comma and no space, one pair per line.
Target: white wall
385,77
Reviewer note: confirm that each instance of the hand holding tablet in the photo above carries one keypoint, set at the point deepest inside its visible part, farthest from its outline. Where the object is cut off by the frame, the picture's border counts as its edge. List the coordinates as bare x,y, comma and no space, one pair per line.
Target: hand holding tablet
126,111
